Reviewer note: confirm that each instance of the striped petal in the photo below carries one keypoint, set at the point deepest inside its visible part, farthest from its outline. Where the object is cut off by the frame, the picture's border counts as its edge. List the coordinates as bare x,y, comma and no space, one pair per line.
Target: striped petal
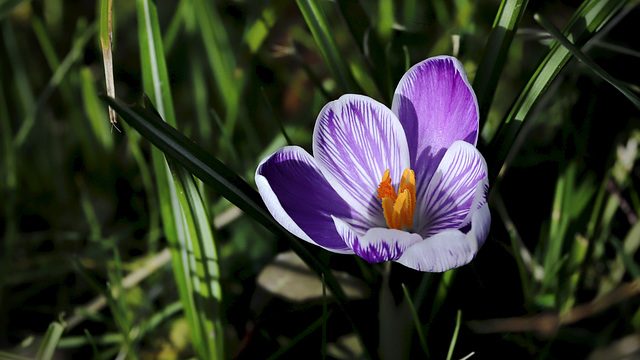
301,199
355,140
451,248
377,244
458,186
436,106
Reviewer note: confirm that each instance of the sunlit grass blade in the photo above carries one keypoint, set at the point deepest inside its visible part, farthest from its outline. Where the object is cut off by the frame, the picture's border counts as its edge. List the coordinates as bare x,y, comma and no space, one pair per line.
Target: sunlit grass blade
496,50
557,34
50,341
587,20
204,267
454,338
186,222
224,181
319,26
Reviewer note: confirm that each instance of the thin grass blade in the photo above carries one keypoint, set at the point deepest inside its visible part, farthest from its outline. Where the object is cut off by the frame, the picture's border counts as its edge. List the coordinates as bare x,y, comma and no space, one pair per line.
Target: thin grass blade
586,21
416,320
50,341
504,28
575,51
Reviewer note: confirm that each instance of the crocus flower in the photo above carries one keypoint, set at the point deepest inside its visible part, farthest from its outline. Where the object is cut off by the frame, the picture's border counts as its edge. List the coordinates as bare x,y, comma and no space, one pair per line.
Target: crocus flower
405,184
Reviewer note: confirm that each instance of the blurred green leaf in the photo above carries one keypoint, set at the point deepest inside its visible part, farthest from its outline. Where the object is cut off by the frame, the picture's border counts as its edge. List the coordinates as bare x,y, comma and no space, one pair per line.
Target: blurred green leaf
7,6
322,33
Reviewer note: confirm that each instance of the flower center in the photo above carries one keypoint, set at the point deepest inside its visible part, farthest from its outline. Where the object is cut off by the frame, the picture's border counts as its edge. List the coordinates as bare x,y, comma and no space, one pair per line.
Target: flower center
398,207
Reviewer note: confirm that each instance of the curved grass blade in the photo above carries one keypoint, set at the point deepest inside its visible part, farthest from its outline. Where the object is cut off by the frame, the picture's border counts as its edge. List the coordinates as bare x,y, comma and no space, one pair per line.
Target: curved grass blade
586,21
557,34
319,26
492,63
224,181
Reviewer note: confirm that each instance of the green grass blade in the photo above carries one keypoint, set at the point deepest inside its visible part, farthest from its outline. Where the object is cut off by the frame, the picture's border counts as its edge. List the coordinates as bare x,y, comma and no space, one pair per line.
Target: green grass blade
50,341
454,338
188,227
557,34
74,55
224,181
322,33
497,48
587,20
416,320
221,59
154,74
208,296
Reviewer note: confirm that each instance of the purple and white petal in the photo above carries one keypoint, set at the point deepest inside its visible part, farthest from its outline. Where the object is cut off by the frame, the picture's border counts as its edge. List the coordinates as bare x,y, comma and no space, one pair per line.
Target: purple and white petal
355,140
301,199
377,244
436,106
451,248
458,186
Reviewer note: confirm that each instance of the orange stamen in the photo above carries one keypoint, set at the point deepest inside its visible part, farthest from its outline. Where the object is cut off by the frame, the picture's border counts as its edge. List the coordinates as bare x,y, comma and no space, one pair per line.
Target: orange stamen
398,208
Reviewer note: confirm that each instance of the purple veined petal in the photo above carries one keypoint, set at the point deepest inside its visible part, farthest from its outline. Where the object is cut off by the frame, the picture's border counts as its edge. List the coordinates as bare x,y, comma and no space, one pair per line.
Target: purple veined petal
451,248
300,198
458,186
436,105
355,140
376,244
